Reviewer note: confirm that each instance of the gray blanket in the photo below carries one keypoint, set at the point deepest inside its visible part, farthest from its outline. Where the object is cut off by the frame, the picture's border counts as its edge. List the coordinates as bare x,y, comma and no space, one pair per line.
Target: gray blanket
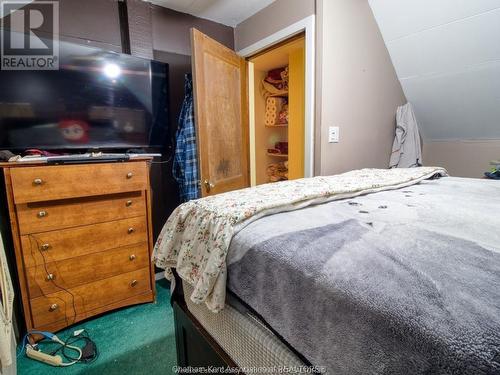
397,282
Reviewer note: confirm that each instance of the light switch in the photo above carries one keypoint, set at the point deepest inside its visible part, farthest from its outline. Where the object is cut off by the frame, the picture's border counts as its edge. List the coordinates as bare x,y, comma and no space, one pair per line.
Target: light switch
333,134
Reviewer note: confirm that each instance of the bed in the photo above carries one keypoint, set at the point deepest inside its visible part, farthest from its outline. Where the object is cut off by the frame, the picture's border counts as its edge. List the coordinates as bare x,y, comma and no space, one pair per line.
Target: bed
404,278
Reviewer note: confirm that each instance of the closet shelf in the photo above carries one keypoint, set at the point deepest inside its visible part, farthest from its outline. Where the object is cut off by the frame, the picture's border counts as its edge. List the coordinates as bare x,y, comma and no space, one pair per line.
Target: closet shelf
277,126
279,94
277,155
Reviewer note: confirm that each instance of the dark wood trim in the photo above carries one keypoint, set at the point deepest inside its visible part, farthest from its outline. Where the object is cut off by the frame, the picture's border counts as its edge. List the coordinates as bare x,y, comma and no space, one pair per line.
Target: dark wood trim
124,27
195,346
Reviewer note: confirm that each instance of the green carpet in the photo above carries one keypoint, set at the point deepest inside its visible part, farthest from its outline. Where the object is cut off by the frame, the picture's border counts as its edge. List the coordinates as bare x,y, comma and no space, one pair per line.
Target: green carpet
134,340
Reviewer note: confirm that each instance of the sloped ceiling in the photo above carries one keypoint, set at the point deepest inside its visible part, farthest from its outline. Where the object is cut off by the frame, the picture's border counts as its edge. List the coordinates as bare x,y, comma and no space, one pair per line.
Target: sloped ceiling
227,12
447,56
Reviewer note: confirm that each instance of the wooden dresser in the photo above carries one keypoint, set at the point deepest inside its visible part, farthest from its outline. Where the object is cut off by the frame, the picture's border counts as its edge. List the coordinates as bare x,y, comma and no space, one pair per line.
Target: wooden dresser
82,239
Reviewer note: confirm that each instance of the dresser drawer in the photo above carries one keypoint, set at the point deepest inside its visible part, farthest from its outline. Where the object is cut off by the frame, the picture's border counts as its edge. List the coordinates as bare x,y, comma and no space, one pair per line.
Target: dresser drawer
69,273
37,184
89,239
45,216
59,306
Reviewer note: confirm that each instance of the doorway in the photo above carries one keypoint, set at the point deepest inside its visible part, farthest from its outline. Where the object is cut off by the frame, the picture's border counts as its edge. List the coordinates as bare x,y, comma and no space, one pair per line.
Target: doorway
276,108
305,27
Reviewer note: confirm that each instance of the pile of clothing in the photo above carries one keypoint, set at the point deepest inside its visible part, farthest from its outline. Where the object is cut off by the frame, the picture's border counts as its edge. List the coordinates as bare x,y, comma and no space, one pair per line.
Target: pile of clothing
276,82
278,171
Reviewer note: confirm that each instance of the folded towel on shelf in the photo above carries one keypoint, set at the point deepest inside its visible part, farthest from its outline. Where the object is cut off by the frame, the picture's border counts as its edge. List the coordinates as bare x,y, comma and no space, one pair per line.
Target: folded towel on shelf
278,78
268,89
282,147
275,74
276,82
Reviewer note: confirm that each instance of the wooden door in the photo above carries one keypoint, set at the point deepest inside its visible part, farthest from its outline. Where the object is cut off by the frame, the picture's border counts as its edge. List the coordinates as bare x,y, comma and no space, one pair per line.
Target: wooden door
221,115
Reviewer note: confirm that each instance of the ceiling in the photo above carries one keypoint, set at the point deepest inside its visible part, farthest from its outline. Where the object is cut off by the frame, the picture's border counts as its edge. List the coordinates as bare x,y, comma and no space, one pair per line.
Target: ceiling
447,56
227,12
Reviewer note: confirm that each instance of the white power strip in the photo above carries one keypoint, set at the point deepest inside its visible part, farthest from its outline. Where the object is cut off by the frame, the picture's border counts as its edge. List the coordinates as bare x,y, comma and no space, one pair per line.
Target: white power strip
53,360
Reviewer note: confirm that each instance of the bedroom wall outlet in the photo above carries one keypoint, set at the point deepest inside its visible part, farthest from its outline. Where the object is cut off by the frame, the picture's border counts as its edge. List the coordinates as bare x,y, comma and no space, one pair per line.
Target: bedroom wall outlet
333,134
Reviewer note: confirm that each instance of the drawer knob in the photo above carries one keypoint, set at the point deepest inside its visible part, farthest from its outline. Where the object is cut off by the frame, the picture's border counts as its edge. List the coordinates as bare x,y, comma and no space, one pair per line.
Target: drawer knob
42,214
128,204
129,175
50,276
44,247
133,283
132,257
53,307
37,181
130,230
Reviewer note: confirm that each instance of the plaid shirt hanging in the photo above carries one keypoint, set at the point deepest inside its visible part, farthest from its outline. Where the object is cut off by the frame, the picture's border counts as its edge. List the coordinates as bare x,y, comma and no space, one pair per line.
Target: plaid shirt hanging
185,166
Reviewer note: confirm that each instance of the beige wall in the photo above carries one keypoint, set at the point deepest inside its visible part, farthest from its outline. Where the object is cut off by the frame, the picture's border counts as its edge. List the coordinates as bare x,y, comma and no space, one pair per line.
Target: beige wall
462,158
357,89
273,18
356,86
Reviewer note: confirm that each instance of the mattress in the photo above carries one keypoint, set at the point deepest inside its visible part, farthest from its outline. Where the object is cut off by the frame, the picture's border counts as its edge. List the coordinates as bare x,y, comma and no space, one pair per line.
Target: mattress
250,344
405,281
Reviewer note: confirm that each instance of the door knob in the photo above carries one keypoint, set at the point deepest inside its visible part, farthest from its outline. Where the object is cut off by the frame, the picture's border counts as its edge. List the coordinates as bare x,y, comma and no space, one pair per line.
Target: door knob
45,247
208,185
53,307
50,277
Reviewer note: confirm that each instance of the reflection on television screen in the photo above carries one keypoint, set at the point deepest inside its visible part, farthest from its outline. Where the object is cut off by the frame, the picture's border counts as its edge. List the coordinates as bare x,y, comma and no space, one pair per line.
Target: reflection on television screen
96,99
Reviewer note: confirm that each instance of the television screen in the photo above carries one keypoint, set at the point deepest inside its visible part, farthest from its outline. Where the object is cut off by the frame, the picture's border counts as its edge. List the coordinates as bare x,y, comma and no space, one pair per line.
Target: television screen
97,99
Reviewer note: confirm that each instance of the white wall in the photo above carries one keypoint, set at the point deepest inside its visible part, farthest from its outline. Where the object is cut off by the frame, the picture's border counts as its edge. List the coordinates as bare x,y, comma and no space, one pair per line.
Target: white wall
462,158
357,89
447,57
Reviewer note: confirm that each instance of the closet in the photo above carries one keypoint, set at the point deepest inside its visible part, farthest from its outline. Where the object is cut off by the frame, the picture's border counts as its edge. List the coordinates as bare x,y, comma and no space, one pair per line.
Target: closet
237,147
276,105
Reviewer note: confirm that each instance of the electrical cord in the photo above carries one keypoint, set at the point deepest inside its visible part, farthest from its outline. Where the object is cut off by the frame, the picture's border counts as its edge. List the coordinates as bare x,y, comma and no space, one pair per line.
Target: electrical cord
161,162
31,236
71,347
88,353
89,350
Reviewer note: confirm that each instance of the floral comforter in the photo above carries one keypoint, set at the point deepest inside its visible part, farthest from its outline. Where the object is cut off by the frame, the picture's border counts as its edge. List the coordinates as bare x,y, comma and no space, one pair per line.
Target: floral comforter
196,237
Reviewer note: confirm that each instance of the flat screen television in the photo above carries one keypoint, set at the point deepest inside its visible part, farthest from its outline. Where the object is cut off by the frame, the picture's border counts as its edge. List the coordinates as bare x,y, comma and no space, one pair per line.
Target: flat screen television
97,99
